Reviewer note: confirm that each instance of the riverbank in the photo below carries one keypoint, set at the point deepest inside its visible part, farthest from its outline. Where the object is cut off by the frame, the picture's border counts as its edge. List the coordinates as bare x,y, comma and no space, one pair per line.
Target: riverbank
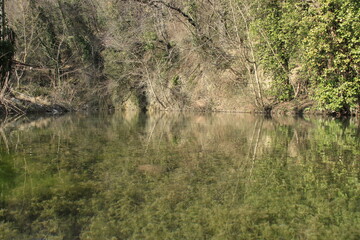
22,104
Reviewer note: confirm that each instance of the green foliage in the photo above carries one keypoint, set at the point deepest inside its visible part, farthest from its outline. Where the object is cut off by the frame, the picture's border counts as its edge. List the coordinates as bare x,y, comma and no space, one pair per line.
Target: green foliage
150,39
277,25
332,51
175,81
321,38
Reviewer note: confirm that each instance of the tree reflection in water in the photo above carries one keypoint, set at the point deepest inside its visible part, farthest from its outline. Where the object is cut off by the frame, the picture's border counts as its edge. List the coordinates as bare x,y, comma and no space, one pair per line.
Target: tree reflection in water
180,176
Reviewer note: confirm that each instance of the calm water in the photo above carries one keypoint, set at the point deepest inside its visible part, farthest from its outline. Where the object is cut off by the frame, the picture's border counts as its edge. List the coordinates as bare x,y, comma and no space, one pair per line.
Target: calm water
179,176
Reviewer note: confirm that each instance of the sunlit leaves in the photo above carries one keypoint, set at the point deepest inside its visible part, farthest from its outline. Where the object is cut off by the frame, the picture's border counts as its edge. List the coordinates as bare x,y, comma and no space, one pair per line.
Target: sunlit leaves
332,52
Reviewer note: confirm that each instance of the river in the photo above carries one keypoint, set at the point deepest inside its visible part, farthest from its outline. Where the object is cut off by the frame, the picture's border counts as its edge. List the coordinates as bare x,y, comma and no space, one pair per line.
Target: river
179,176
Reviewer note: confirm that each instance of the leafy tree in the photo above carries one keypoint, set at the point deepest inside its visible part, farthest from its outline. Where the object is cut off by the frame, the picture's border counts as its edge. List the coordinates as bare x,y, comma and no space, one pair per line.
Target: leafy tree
277,27
333,53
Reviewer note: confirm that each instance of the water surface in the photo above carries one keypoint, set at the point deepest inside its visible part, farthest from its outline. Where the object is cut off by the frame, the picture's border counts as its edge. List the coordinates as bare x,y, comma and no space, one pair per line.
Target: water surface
179,176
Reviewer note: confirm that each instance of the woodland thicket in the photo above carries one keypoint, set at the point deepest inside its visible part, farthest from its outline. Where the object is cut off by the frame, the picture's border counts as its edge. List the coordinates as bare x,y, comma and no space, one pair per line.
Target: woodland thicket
203,54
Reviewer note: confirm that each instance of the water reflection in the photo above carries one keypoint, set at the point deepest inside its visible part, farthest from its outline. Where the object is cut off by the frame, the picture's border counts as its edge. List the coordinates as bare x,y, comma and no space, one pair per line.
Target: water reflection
179,176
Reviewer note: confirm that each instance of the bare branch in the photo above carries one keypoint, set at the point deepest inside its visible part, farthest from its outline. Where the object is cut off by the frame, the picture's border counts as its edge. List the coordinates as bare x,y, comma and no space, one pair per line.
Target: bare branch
156,3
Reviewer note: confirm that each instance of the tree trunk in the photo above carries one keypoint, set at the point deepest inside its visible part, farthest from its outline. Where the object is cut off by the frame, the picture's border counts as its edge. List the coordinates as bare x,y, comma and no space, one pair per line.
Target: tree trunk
2,16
